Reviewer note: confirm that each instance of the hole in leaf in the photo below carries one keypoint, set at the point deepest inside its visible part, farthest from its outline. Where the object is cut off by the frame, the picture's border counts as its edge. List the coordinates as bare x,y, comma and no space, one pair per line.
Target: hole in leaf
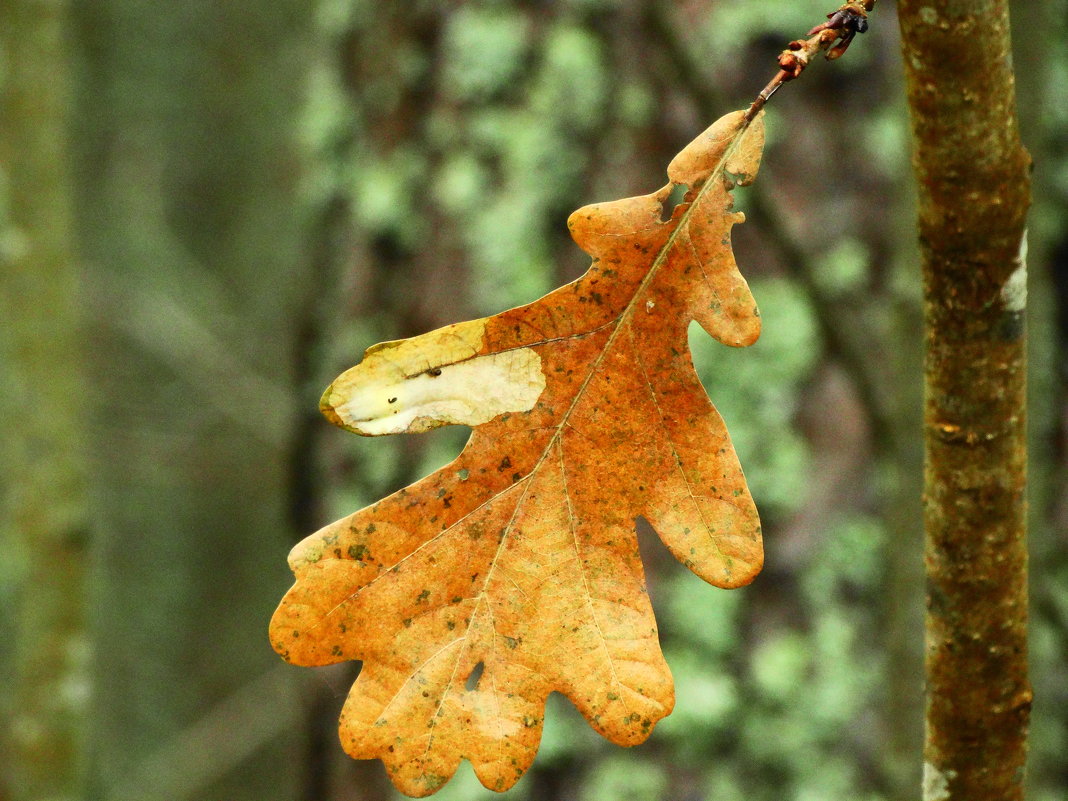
674,198
655,556
476,675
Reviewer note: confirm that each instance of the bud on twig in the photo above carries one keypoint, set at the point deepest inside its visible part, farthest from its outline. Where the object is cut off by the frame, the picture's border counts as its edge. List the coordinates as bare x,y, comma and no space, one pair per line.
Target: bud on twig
832,37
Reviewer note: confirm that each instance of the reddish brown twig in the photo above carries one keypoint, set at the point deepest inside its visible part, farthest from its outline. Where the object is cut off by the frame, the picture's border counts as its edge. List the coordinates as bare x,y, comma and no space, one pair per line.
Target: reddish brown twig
832,36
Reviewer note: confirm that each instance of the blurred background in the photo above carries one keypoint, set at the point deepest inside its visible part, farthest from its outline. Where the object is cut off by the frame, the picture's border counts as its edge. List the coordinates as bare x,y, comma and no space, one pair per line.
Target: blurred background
209,210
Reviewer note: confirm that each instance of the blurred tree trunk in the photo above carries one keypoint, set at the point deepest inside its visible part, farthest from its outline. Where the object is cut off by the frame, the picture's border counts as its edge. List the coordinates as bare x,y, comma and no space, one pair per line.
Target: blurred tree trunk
43,686
902,456
188,211
974,191
1040,29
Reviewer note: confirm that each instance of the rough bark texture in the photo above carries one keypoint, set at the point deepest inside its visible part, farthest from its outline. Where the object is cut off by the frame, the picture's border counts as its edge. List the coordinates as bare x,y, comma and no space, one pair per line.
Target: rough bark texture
974,191
43,682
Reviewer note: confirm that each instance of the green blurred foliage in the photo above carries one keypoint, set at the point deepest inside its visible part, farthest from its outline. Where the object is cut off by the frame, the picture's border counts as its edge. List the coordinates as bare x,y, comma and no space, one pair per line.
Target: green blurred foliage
527,111
756,390
443,146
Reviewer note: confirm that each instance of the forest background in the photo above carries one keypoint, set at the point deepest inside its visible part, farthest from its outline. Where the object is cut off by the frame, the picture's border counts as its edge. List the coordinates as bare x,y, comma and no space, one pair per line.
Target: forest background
209,210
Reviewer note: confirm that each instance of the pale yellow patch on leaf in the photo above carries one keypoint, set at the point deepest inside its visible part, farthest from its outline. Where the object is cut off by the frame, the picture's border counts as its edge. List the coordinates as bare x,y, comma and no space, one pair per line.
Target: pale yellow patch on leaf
436,379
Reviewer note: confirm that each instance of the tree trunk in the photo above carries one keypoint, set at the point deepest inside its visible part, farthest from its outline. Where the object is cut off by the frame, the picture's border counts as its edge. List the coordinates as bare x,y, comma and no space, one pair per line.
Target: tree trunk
974,190
189,214
43,686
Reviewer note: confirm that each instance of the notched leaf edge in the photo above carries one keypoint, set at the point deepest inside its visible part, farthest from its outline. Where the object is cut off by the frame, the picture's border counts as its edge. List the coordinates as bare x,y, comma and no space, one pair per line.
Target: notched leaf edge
359,576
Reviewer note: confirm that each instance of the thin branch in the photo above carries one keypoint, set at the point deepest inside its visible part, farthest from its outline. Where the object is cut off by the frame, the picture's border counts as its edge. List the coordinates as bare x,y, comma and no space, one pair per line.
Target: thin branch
973,192
832,37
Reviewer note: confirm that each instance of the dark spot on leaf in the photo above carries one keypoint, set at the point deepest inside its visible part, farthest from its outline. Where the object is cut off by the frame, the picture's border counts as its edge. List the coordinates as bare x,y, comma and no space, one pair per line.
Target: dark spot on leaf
434,781
476,675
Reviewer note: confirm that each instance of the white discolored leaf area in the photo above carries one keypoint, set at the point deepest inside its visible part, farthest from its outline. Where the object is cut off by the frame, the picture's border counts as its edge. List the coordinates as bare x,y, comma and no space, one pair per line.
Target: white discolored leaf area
433,380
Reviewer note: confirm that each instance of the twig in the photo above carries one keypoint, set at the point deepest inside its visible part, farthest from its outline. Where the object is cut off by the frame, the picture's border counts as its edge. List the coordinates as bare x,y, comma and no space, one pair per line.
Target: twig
832,36
851,347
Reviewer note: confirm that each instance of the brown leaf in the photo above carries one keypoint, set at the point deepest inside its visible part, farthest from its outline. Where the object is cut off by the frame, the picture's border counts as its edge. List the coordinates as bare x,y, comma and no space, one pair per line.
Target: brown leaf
514,571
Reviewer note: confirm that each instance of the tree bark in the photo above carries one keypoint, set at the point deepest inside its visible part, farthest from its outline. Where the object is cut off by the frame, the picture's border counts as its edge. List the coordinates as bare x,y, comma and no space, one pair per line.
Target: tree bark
43,681
974,190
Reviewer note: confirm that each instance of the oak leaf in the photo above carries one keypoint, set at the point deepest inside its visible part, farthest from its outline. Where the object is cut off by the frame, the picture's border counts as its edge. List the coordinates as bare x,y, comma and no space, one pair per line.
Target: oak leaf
514,571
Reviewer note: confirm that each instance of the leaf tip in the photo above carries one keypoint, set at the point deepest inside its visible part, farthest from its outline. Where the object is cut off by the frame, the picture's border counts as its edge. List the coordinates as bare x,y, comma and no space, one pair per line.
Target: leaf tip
743,571
695,162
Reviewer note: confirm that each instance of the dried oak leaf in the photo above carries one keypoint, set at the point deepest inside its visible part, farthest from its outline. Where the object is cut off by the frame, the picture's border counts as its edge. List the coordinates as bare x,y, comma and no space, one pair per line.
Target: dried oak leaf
514,571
